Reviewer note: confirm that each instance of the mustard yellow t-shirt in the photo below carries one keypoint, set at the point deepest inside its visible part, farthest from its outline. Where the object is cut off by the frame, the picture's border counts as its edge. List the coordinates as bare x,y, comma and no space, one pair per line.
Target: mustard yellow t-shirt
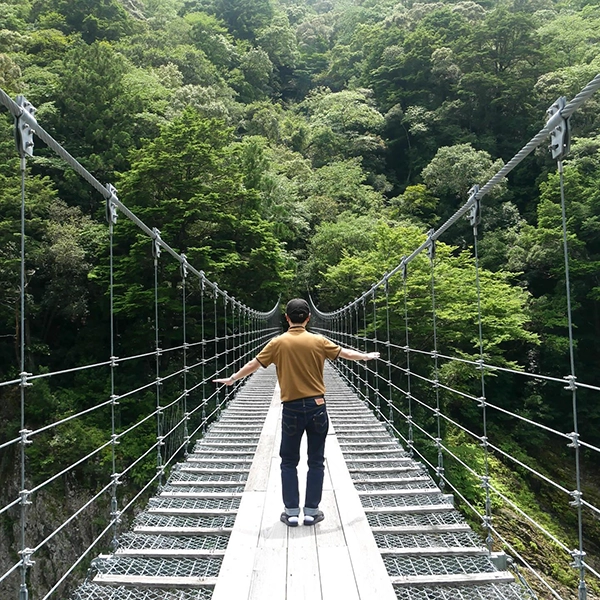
299,357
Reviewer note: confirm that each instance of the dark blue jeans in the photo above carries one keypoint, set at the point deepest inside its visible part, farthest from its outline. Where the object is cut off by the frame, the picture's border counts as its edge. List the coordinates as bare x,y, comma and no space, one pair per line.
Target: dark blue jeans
300,416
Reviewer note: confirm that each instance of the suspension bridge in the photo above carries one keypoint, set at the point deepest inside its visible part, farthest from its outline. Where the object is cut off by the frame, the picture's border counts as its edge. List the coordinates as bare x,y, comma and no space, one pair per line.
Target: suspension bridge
205,521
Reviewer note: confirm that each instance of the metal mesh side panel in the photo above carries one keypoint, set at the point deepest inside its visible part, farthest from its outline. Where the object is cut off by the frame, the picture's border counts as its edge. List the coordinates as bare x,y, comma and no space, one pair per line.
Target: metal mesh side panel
92,591
150,520
182,475
392,520
160,567
209,489
437,565
196,503
492,591
412,485
393,501
418,472
441,540
136,541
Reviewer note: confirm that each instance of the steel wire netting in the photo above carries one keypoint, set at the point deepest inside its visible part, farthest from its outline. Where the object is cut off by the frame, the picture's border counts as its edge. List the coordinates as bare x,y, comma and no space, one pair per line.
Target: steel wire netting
90,591
438,402
147,403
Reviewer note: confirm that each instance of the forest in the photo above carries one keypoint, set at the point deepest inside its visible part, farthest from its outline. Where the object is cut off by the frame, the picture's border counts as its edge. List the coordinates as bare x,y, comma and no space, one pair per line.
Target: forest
293,145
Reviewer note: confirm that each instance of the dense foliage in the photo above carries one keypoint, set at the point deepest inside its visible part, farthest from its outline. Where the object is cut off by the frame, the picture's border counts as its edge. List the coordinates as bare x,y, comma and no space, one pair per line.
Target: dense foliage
293,144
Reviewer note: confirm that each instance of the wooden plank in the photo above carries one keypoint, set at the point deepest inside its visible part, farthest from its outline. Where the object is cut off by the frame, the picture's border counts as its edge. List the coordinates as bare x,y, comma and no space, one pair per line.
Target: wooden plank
401,492
416,529
201,494
139,580
237,571
371,576
168,553
337,575
206,512
259,472
303,579
269,573
467,579
235,575
182,530
416,509
436,551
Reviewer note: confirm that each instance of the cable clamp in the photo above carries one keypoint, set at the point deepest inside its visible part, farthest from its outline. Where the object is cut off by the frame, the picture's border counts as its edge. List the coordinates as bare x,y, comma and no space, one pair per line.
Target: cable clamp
481,402
574,440
409,419
439,471
159,381
484,442
116,516
486,522
435,354
161,442
114,439
24,435
23,130
113,400
436,384
484,482
474,215
156,247
576,495
431,249
560,136
113,362
24,495
184,266
437,440
111,208
480,364
578,556
24,375
159,352
116,478
572,385
26,555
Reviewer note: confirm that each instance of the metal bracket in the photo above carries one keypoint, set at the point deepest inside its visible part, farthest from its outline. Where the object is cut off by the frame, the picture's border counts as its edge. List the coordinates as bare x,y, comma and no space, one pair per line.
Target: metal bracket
431,249
474,214
111,208
156,242
578,557
23,131
571,382
576,495
24,375
560,136
184,266
26,554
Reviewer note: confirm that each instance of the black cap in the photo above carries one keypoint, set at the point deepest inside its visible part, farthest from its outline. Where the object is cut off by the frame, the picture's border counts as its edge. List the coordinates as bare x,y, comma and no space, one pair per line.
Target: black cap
297,310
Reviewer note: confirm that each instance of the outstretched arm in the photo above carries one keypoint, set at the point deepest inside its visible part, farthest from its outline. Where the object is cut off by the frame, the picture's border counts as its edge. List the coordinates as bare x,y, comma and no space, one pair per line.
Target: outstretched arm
246,370
355,355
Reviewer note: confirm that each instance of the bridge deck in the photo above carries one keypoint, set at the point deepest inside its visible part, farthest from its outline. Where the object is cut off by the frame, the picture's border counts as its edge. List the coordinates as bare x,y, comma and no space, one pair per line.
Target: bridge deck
214,531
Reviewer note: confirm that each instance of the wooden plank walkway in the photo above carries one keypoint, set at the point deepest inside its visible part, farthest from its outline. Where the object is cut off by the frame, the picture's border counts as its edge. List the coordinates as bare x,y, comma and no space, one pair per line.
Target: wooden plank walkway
337,558
213,532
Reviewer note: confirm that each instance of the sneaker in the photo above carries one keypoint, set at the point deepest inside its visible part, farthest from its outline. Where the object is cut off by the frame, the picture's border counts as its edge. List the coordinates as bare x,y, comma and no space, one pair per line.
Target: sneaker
289,520
314,519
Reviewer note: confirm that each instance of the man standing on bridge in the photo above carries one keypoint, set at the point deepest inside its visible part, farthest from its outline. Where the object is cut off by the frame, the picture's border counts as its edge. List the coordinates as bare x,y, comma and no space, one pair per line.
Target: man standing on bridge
300,357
